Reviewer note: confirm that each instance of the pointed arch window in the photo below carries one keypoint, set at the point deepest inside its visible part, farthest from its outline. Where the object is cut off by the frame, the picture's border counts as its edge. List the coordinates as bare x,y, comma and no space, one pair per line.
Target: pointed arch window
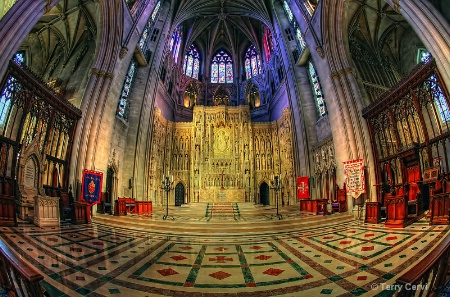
317,89
252,62
20,58
191,64
268,44
288,11
174,43
122,109
298,33
148,27
11,87
424,56
222,68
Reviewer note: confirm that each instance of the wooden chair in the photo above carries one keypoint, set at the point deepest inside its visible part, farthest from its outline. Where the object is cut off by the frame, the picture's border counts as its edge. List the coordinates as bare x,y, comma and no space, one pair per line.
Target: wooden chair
340,202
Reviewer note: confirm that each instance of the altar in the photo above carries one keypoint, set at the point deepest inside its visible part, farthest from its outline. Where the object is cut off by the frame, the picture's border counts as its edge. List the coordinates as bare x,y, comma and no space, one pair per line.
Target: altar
222,195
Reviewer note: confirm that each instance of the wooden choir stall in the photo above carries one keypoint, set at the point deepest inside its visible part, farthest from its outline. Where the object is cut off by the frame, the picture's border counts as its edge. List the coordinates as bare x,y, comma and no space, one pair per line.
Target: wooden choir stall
439,213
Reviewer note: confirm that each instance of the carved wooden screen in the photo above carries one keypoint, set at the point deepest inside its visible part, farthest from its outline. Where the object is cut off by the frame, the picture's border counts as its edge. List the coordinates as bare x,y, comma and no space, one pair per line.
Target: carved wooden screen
414,114
30,111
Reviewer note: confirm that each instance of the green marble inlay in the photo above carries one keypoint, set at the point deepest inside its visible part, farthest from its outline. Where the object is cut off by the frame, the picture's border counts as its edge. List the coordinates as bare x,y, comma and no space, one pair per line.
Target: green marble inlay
358,291
248,276
364,267
106,278
388,276
114,291
326,291
52,291
83,291
335,278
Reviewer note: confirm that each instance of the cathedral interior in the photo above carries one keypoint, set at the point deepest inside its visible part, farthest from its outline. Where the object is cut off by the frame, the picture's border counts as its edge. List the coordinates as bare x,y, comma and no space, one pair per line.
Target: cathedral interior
234,147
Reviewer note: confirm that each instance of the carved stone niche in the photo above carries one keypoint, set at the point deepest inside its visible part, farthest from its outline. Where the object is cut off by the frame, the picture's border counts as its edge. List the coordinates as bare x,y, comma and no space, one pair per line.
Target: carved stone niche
33,204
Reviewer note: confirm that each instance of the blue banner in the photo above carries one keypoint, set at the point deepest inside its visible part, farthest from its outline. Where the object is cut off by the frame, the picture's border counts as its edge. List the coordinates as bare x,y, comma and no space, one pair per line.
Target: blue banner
92,186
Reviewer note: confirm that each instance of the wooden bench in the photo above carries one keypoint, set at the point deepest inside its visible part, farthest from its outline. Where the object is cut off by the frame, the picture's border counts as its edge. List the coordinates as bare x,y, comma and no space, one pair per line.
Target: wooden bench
124,205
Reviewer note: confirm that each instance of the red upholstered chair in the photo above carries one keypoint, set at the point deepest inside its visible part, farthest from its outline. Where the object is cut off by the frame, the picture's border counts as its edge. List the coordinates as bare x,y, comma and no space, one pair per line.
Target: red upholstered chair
414,202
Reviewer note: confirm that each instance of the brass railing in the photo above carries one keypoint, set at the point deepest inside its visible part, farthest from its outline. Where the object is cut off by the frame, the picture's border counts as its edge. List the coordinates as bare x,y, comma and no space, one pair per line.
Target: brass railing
17,277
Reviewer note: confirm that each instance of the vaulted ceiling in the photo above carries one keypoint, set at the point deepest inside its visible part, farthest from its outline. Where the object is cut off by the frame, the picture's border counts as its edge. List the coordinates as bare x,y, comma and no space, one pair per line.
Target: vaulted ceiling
232,25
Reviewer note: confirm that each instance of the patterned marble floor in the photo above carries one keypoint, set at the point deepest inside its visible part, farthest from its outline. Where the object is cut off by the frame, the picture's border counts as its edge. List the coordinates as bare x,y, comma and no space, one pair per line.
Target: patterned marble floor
301,255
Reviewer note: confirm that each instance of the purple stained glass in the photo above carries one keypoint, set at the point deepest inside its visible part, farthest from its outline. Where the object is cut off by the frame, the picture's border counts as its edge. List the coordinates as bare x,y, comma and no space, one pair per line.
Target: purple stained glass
259,64
224,64
196,68
174,43
190,63
248,71
214,72
221,72
184,63
254,66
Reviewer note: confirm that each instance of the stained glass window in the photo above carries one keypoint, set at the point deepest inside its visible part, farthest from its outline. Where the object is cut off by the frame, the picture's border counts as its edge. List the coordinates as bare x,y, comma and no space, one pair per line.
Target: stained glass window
148,26
126,90
268,44
423,56
317,89
222,68
155,10
298,32
252,62
174,43
191,62
6,98
248,71
440,100
288,11
300,39
20,58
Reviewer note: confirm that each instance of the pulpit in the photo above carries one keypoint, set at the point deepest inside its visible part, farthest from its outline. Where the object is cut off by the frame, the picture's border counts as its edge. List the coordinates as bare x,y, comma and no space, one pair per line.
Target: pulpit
81,213
373,212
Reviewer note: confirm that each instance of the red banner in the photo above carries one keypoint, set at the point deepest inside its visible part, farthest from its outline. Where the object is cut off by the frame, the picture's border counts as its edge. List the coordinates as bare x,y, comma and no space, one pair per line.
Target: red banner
303,187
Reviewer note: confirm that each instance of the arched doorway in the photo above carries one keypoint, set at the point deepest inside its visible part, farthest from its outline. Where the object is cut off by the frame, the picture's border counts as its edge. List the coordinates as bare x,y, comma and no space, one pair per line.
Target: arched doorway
264,195
179,194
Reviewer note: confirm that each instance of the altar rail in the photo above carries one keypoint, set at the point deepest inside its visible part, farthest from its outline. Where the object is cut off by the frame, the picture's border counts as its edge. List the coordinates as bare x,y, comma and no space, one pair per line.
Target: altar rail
429,276
17,277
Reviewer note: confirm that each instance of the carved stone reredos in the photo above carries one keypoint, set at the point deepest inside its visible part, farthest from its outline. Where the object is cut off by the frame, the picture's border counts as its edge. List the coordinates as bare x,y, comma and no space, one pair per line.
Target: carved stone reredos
30,154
